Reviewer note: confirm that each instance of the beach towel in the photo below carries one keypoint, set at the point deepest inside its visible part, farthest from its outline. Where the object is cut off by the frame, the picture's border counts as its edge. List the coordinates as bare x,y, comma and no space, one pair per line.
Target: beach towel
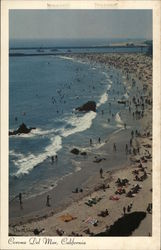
91,221
92,201
88,219
67,217
114,198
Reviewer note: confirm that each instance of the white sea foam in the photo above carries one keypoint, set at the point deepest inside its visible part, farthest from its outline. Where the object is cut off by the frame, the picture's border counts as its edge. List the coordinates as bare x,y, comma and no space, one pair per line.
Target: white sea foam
106,125
74,59
103,99
13,153
40,131
126,95
29,135
34,132
67,58
79,123
117,131
99,145
27,163
77,169
109,86
109,81
106,74
120,123
77,165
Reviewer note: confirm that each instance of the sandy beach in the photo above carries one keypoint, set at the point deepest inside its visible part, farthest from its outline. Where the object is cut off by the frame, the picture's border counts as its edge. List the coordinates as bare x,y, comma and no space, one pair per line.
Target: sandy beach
125,185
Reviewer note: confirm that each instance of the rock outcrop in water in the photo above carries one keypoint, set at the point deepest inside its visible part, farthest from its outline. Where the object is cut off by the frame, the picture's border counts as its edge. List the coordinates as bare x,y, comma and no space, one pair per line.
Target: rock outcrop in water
21,130
75,151
89,106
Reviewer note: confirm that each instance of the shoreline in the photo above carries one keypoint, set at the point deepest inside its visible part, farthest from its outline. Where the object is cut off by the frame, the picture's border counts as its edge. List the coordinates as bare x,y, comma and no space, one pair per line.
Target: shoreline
39,214
81,177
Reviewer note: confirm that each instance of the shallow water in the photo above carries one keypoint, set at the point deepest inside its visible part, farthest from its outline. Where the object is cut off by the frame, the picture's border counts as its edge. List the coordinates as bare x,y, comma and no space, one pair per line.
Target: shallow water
44,91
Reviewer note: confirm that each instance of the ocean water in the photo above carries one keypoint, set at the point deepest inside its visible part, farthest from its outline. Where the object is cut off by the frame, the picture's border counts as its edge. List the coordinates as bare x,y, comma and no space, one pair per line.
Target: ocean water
43,93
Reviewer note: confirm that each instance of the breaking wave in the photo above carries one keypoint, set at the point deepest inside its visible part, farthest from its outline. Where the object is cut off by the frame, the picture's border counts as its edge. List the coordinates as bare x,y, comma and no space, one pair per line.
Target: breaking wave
26,163
118,120
79,124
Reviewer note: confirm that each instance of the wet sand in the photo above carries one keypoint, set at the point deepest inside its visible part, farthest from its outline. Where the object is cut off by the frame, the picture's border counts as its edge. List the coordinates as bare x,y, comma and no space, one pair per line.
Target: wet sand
115,165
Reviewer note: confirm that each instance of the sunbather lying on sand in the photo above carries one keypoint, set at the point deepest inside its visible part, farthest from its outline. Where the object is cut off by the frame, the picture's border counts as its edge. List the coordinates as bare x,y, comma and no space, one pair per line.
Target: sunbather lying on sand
134,190
141,178
122,182
103,213
60,232
93,201
75,234
120,191
114,198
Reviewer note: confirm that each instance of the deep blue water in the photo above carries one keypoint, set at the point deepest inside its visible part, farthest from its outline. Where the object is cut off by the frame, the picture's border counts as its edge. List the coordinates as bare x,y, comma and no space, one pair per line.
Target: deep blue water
43,93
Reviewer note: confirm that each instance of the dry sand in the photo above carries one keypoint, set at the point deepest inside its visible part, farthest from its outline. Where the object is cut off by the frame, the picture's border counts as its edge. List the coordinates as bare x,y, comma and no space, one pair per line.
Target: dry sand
35,215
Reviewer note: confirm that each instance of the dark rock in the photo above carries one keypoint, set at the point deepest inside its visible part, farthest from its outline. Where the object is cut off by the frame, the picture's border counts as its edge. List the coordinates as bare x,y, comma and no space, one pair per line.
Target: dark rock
125,225
122,102
21,130
83,153
89,106
97,160
75,151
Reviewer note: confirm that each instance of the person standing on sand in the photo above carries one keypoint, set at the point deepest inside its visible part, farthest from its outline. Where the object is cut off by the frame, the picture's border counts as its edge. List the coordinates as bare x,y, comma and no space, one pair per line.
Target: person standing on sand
20,198
52,159
99,140
131,204
48,201
101,172
128,208
90,142
114,147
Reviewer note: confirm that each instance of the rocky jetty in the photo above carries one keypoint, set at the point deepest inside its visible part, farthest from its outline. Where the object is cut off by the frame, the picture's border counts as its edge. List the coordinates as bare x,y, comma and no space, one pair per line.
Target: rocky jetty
89,106
21,130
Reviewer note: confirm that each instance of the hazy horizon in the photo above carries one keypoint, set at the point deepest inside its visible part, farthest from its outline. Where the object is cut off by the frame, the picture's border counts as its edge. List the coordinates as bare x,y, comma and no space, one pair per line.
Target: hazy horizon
80,24
78,39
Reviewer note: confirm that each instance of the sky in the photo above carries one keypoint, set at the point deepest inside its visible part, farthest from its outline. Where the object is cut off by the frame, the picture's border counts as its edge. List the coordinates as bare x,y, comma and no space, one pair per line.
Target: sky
80,24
